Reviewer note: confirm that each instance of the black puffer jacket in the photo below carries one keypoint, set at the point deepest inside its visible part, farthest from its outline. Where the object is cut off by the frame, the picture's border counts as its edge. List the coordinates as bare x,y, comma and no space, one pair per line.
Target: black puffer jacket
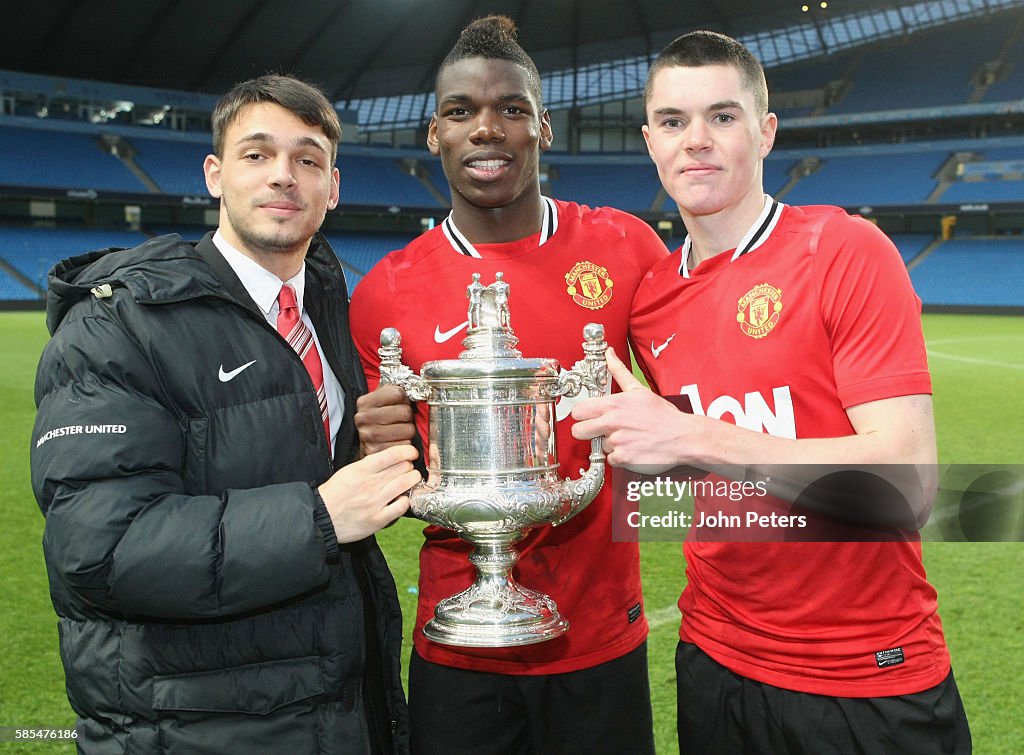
204,602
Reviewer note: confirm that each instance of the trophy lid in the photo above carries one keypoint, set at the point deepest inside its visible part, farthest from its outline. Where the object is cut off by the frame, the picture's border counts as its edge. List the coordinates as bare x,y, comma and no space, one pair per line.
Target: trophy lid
490,343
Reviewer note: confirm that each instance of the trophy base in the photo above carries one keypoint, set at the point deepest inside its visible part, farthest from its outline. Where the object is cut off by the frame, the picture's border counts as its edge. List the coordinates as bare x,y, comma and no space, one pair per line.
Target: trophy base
486,615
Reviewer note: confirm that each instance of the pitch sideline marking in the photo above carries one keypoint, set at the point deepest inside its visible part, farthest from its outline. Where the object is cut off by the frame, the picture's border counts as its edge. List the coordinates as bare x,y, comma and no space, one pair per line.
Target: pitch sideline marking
974,360
973,339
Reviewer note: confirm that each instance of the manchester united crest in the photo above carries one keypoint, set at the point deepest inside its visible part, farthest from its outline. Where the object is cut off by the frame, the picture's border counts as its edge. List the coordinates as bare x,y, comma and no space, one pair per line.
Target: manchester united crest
589,285
759,310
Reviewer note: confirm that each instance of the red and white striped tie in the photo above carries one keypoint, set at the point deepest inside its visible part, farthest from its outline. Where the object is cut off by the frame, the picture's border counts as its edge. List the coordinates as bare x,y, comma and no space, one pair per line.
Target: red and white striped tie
291,327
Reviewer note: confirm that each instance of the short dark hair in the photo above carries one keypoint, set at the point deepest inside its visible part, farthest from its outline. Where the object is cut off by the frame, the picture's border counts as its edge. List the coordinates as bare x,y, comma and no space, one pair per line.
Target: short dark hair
494,38
707,48
304,100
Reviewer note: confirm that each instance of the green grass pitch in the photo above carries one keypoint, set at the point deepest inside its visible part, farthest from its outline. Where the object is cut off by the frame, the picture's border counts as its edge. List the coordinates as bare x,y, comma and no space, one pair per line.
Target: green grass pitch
977,365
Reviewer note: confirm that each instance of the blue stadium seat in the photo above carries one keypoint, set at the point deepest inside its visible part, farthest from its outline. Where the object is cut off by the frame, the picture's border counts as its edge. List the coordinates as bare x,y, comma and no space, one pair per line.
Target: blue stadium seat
973,272
930,68
361,251
628,186
33,251
13,290
61,160
911,244
176,167
379,181
984,191
1011,87
853,180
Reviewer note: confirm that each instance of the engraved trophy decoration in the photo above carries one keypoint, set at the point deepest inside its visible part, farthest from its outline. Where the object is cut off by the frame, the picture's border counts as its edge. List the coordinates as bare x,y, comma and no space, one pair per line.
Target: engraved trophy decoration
493,466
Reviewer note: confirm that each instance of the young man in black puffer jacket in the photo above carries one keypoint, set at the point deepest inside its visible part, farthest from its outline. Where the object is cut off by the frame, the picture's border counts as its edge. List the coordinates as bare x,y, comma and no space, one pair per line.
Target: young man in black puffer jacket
209,523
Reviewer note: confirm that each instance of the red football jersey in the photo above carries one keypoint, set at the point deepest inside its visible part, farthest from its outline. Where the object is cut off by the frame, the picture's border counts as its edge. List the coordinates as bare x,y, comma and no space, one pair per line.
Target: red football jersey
587,270
812,314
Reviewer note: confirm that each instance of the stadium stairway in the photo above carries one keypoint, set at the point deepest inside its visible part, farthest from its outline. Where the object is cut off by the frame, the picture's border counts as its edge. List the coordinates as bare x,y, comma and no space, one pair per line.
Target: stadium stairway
13,272
924,254
415,168
123,150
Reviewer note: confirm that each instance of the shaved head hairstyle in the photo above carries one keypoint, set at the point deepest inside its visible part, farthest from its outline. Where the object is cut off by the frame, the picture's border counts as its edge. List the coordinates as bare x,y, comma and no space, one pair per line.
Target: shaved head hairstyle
708,48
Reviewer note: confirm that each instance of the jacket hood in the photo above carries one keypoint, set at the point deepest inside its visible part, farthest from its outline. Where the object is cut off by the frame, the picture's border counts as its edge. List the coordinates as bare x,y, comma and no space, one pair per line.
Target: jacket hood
163,269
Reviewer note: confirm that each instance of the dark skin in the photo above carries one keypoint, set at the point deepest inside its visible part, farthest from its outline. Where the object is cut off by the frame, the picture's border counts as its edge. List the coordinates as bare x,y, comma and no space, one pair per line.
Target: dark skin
489,131
384,419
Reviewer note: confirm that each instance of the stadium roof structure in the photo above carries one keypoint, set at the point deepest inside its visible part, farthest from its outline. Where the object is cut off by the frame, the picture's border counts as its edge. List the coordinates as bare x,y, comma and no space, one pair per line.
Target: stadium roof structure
370,55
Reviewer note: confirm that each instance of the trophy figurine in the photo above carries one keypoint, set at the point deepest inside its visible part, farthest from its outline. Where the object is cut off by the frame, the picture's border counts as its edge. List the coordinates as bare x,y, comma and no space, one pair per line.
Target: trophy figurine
493,464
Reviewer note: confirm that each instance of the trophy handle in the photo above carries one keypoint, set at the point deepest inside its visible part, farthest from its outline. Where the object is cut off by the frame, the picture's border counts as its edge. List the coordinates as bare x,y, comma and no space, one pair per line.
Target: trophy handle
591,373
393,372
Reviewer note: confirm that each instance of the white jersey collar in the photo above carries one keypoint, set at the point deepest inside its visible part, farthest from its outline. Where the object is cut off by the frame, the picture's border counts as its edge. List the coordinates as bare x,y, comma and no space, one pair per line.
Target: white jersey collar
548,227
755,236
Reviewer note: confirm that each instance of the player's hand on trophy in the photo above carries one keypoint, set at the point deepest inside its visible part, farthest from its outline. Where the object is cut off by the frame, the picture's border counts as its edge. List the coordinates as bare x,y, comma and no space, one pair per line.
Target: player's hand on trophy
368,495
384,419
642,431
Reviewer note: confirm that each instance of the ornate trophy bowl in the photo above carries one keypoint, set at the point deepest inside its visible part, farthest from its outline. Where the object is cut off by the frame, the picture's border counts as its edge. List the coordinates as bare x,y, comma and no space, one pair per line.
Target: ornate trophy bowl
493,464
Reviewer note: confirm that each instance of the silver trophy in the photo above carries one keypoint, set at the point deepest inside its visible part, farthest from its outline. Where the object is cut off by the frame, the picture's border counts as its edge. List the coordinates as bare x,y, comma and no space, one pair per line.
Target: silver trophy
493,464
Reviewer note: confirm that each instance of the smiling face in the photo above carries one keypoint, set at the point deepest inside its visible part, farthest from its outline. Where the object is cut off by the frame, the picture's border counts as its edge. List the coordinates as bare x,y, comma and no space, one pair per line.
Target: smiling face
275,181
708,139
489,130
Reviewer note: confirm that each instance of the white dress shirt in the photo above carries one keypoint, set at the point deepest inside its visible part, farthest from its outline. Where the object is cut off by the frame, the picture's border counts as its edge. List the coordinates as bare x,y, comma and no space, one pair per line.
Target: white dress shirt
264,287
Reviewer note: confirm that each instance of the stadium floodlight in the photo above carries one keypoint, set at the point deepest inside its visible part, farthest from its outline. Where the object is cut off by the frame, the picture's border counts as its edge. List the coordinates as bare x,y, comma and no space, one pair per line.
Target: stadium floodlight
105,114
154,116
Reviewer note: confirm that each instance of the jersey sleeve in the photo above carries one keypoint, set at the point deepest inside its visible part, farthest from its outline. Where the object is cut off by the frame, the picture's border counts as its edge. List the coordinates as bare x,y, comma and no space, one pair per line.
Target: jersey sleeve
870,311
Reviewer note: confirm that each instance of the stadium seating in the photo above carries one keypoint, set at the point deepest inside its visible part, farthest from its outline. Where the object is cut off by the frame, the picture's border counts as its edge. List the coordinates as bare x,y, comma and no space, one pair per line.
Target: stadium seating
1000,178
33,251
908,73
361,251
13,290
852,180
985,191
380,181
435,174
61,160
897,74
786,82
911,244
973,272
176,167
1010,83
628,185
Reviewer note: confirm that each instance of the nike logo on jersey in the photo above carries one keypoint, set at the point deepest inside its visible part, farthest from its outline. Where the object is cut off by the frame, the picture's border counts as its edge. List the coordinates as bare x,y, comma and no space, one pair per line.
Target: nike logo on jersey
441,337
656,350
226,377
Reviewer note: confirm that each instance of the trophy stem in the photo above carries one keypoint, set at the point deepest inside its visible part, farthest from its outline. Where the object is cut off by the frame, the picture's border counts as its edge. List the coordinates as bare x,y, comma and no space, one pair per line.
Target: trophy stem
495,611
494,561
